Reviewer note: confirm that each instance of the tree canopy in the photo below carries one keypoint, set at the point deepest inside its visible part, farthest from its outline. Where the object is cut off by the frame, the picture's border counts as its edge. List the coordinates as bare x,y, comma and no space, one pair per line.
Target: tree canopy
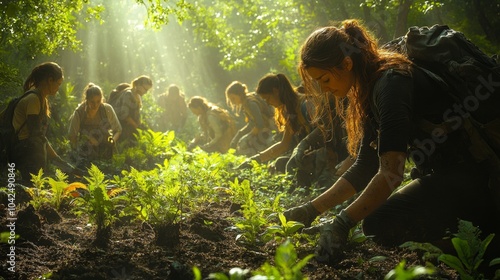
204,44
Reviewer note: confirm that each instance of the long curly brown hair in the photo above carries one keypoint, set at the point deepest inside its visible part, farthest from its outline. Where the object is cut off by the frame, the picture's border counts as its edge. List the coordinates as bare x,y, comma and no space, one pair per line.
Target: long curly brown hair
288,96
325,49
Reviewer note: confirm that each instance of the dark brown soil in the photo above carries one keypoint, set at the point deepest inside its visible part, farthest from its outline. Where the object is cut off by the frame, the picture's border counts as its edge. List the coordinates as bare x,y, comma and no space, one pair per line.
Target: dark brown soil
66,248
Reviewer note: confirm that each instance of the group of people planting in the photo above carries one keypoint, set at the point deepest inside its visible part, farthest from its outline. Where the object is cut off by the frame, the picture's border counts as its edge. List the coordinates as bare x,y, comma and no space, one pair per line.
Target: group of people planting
362,113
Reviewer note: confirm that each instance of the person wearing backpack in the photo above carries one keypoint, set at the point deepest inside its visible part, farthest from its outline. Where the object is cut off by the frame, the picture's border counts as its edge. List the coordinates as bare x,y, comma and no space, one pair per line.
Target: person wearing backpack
128,107
217,126
388,97
31,150
257,134
292,119
116,93
94,128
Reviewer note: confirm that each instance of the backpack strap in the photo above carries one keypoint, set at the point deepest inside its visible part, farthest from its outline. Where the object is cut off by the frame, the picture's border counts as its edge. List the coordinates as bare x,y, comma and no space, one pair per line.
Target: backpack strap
40,113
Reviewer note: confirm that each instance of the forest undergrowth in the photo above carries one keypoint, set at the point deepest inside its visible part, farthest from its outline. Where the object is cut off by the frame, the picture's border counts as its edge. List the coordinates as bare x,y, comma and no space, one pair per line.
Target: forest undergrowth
159,211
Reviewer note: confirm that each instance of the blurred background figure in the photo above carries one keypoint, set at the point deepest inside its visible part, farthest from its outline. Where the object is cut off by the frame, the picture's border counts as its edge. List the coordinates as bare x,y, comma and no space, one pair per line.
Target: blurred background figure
174,108
127,105
292,118
257,134
217,126
94,128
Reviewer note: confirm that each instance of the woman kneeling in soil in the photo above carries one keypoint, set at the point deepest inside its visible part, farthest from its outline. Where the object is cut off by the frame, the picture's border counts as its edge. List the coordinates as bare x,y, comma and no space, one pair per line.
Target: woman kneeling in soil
387,97
217,126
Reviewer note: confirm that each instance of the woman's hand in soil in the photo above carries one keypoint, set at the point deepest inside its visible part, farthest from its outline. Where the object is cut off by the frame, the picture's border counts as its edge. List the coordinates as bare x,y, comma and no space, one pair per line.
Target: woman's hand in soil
333,237
305,214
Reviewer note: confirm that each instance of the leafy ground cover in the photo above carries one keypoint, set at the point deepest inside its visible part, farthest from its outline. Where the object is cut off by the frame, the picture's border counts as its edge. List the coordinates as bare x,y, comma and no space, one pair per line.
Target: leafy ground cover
181,215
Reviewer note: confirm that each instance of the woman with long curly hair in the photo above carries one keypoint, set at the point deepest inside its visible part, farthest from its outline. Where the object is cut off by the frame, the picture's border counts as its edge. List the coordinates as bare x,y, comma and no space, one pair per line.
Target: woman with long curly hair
257,134
291,117
388,97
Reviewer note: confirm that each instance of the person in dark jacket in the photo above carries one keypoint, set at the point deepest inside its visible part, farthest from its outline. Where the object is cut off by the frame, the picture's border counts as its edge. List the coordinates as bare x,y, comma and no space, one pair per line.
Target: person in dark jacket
387,99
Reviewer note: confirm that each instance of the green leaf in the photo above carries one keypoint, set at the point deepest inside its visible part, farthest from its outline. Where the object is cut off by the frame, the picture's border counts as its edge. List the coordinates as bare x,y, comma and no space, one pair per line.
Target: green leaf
453,262
293,227
495,261
285,255
464,252
282,219
197,273
218,276
377,259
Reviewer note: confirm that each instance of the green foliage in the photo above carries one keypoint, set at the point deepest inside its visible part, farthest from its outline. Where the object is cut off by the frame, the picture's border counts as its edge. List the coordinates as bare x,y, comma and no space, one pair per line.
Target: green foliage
39,195
241,192
156,196
235,273
253,216
48,190
285,230
154,143
431,252
5,236
96,203
356,234
265,28
402,273
470,251
9,82
159,11
42,26
287,265
152,147
57,187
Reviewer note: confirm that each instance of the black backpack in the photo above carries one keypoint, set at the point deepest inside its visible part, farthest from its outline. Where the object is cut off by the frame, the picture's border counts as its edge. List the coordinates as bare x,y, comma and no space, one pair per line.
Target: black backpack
115,97
8,135
471,78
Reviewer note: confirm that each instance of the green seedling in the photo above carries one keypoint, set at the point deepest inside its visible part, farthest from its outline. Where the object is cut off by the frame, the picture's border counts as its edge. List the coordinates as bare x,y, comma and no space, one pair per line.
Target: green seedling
96,202
235,273
356,234
39,195
253,215
431,252
252,222
5,237
285,230
470,251
402,273
287,265
57,187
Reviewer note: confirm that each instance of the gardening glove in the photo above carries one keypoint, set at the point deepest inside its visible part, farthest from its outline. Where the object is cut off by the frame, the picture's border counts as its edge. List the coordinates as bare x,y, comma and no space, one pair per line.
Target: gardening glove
333,237
299,153
305,214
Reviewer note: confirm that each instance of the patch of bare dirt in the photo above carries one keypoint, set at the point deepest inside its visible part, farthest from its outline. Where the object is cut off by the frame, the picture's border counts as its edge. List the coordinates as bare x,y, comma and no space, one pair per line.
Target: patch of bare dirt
64,245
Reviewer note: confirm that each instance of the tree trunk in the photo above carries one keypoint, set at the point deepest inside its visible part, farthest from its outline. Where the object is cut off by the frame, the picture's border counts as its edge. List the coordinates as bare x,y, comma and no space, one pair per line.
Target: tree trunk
377,27
490,32
402,20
